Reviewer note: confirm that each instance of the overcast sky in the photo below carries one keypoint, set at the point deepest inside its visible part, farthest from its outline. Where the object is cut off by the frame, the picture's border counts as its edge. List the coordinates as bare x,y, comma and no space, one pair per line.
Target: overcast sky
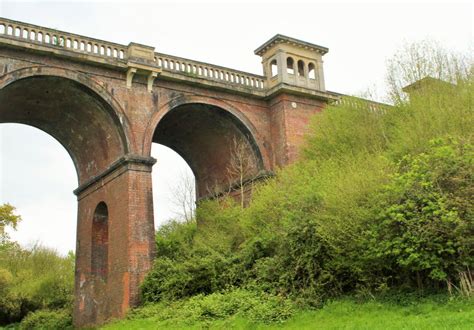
36,173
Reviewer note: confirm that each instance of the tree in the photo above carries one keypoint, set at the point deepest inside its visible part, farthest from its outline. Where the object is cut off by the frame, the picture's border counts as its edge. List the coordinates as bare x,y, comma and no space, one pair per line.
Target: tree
184,197
8,218
416,61
241,166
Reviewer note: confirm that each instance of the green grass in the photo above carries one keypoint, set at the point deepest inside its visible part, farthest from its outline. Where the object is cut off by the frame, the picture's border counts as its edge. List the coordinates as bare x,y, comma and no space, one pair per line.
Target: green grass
341,314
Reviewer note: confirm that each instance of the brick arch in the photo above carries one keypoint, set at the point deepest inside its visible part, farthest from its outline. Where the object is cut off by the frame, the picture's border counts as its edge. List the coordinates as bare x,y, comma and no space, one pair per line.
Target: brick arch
196,99
201,130
49,99
118,113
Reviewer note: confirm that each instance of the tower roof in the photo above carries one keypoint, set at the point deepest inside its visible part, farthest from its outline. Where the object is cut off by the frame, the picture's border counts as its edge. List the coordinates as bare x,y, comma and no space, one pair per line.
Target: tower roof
279,38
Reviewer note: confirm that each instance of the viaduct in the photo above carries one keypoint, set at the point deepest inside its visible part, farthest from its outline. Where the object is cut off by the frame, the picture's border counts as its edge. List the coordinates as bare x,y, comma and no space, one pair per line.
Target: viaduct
106,103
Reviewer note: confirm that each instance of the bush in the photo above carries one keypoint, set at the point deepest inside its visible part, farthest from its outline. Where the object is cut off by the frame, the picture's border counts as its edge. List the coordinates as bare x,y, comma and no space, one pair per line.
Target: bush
47,320
33,279
425,226
256,306
175,238
176,280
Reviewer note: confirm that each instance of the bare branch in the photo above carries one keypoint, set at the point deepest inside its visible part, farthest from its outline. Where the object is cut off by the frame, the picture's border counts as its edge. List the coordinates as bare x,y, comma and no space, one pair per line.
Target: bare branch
183,197
241,166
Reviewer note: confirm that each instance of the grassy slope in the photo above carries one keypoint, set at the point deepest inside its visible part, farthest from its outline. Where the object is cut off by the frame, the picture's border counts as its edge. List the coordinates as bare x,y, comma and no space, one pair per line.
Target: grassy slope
342,314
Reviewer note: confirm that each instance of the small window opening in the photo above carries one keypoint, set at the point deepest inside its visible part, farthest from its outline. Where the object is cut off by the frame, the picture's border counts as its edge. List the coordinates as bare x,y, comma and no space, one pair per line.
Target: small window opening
273,68
300,68
290,65
311,71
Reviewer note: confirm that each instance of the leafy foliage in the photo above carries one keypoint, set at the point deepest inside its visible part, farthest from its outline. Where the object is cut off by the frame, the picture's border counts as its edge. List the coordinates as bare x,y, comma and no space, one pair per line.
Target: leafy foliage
47,320
8,218
33,279
401,311
256,306
423,227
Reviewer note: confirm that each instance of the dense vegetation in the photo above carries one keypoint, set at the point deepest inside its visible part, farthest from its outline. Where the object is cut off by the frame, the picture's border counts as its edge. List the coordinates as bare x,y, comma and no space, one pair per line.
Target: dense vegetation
36,284
434,312
380,201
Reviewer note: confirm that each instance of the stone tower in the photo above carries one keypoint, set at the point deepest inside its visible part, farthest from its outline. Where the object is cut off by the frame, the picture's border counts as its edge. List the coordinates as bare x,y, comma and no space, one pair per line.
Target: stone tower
289,61
294,79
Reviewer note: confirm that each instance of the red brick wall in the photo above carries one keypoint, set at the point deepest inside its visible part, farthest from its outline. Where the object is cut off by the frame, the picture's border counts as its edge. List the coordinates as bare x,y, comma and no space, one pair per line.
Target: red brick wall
127,193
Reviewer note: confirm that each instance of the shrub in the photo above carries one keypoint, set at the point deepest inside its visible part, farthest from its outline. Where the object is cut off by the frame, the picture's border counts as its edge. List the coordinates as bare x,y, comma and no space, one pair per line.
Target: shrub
32,279
176,280
174,239
47,320
256,306
425,226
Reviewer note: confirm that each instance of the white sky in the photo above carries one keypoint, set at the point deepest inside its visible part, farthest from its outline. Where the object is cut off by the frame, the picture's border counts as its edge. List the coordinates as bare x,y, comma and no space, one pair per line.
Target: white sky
37,175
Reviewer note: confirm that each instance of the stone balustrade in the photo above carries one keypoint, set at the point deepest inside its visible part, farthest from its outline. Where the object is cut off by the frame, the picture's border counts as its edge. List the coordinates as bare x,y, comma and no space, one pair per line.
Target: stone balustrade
58,39
116,54
360,103
209,71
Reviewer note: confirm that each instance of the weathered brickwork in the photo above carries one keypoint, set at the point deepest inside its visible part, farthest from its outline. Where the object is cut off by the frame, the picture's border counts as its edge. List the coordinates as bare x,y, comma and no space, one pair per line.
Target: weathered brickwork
107,105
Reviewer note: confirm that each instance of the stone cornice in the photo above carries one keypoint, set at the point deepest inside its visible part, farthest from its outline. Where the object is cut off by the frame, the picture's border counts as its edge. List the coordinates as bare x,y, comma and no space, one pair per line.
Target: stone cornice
279,38
295,90
125,160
